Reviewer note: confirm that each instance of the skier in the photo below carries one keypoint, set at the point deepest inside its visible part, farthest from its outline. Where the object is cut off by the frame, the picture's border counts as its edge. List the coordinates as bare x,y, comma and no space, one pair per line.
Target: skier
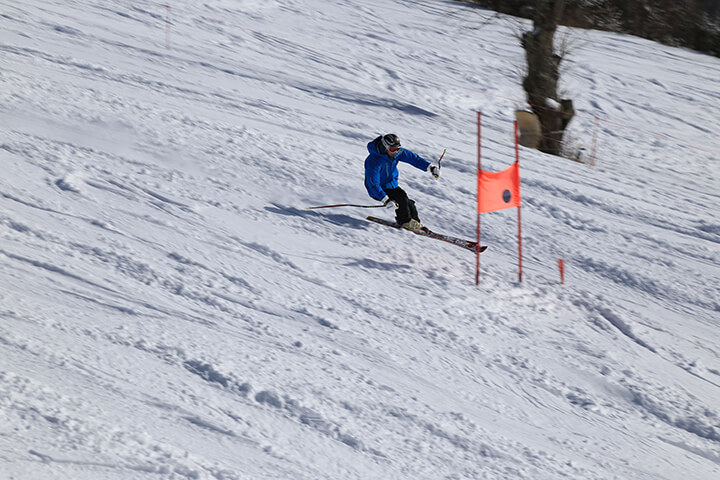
381,177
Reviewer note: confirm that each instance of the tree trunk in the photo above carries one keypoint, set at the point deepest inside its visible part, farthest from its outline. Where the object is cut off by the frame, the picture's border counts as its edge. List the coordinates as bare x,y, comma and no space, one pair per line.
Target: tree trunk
543,75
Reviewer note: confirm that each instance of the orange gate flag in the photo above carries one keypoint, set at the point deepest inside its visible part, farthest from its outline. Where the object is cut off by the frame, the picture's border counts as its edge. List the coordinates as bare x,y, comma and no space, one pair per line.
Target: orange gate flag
499,190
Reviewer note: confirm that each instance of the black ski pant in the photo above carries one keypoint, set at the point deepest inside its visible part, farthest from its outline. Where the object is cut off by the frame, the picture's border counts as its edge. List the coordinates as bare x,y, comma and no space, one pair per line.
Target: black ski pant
406,207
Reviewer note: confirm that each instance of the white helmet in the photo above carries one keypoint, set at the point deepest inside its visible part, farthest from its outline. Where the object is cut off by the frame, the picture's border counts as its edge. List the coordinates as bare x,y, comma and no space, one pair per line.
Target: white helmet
390,141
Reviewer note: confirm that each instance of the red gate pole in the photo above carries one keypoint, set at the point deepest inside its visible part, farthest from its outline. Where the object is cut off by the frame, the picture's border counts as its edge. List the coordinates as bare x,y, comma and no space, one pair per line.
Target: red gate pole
477,180
517,160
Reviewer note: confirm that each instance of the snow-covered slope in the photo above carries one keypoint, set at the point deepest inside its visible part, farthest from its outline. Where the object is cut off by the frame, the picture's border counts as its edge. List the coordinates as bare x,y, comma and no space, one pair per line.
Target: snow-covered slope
170,309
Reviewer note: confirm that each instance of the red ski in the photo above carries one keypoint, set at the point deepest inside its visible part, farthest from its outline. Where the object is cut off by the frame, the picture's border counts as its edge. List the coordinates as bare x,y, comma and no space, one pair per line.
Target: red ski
426,232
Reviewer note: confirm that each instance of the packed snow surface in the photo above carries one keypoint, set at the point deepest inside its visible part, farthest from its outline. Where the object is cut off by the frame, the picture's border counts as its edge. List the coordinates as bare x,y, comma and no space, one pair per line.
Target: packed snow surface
170,308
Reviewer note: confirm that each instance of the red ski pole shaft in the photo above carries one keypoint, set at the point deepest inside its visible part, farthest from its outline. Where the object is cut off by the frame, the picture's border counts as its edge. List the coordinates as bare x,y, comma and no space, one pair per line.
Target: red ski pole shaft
441,157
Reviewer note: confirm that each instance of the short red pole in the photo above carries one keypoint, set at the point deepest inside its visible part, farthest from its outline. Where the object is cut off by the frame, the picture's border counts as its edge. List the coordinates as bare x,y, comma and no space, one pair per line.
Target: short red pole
561,267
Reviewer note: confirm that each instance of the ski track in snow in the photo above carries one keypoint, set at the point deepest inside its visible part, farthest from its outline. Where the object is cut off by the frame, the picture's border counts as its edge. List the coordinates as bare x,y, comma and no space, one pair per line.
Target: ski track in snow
170,309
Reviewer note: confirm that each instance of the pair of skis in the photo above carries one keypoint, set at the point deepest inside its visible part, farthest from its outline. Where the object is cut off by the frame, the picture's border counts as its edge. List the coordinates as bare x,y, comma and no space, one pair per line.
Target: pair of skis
426,232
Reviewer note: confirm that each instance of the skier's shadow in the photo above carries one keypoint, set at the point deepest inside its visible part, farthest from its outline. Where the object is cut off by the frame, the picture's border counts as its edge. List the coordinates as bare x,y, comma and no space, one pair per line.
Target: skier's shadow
340,219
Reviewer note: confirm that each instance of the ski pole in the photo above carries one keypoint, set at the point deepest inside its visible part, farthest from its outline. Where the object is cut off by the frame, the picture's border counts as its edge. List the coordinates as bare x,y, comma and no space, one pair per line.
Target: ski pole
438,165
441,156
345,205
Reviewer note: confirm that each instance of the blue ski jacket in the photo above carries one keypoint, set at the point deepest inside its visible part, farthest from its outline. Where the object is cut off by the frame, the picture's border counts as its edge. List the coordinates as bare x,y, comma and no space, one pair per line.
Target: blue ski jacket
381,169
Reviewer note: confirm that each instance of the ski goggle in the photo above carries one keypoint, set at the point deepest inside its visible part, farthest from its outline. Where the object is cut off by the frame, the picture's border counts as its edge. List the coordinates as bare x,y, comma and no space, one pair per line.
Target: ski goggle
394,149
